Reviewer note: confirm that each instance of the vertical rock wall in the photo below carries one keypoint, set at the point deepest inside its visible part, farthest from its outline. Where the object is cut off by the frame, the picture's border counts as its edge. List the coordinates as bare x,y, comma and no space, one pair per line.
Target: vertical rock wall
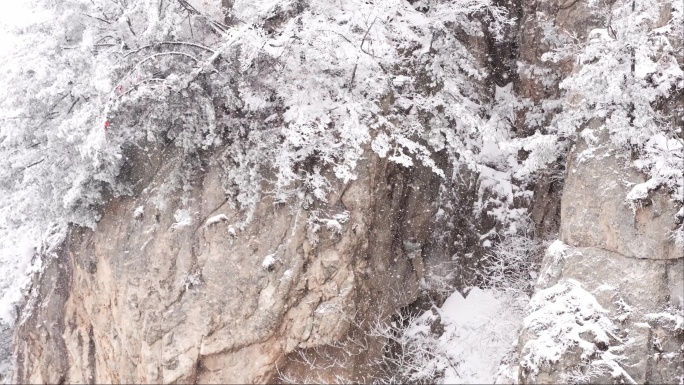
626,259
152,298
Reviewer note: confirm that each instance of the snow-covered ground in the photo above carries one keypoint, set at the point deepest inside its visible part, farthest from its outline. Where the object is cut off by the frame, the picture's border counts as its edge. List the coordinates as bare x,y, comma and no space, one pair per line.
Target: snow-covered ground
479,330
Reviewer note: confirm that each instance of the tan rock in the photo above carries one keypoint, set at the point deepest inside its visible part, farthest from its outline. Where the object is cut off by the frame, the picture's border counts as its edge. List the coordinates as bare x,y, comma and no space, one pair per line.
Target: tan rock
624,258
594,212
150,300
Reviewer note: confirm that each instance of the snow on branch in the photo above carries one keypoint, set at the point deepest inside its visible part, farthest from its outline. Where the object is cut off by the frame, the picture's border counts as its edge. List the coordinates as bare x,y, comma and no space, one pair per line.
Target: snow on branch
566,317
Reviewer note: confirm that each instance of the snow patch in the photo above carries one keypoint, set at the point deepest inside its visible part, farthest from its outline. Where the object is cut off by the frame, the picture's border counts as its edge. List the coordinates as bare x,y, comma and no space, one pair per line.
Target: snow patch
216,219
269,261
183,219
139,212
557,249
641,190
478,331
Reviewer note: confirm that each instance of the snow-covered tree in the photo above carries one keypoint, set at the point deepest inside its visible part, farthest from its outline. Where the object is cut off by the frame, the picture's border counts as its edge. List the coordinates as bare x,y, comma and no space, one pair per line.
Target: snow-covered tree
566,316
277,85
289,81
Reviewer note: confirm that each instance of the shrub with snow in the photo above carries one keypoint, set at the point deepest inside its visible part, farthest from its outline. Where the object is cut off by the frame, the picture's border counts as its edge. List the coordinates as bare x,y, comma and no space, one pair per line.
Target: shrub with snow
512,265
566,318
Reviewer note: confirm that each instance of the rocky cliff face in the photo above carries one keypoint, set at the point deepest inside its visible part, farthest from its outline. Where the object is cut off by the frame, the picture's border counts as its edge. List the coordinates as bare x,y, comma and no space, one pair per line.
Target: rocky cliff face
624,256
152,298
189,296
625,259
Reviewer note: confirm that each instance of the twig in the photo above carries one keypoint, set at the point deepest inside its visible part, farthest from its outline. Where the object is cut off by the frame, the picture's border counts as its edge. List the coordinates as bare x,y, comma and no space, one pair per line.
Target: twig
73,105
351,82
366,35
97,18
32,164
169,43
130,26
137,85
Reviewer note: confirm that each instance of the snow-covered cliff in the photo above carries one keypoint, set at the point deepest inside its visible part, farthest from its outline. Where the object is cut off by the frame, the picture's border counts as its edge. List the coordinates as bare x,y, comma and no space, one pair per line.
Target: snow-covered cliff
360,191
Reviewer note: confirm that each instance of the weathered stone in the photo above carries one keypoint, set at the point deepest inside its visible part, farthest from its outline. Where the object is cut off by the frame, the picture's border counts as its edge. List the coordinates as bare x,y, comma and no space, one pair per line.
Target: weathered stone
626,259
594,212
175,303
631,290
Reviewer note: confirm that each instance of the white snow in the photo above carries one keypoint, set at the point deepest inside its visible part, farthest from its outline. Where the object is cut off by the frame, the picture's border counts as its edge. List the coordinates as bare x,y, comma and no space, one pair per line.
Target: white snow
672,321
400,80
557,249
333,225
269,261
332,93
139,212
479,330
183,219
641,190
287,275
563,317
216,219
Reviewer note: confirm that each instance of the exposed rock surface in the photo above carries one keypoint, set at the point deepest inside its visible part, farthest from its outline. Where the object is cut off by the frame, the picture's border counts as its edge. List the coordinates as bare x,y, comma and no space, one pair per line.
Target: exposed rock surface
625,257
152,298
626,260
161,298
595,214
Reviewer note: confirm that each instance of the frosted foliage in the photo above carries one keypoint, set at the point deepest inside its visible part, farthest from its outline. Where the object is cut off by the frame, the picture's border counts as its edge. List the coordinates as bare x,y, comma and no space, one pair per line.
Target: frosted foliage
348,73
58,158
512,265
143,72
288,84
